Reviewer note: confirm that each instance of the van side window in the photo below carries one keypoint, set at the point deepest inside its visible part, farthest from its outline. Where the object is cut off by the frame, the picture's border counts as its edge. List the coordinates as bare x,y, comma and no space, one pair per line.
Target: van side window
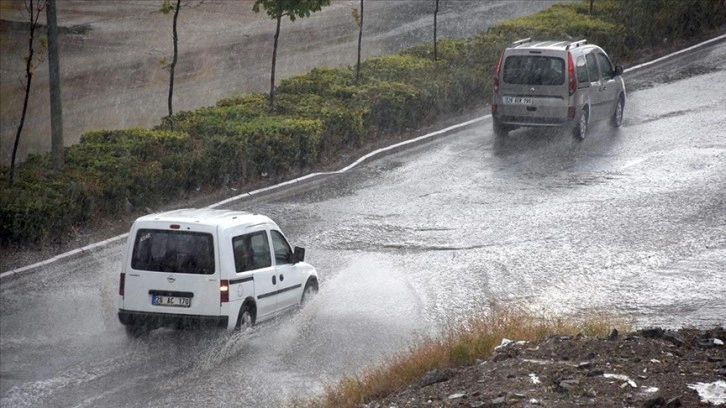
592,67
283,254
606,67
251,251
582,76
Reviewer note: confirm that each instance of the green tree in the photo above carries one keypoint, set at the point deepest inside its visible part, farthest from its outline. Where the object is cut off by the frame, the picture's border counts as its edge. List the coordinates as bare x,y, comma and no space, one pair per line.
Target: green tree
277,9
34,8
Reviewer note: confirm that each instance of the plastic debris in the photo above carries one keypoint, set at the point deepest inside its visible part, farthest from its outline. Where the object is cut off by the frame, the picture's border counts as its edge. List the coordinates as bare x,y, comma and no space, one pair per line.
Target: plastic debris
712,393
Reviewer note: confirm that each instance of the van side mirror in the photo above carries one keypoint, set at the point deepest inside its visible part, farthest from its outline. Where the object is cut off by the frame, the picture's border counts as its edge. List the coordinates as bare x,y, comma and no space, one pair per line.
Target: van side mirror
299,255
618,70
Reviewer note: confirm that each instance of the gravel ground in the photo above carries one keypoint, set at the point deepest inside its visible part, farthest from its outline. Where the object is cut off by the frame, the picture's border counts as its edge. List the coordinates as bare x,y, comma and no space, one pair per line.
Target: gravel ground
648,368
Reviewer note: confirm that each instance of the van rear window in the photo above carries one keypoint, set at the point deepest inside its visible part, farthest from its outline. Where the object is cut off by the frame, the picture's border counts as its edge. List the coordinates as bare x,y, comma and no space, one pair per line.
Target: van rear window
534,70
173,251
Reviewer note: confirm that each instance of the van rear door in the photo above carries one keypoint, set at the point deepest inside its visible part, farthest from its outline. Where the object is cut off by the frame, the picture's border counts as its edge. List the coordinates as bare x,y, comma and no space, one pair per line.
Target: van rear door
534,88
172,268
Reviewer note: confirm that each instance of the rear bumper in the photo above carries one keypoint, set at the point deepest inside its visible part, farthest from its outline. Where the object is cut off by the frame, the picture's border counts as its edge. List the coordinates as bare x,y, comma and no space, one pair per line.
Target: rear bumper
532,121
154,320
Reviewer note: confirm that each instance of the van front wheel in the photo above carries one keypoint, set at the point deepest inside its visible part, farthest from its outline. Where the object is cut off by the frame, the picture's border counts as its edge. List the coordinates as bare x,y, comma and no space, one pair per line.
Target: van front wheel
311,288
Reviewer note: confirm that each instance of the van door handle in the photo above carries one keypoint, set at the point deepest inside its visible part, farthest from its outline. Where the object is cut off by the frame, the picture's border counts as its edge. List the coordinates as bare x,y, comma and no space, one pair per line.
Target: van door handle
274,280
282,277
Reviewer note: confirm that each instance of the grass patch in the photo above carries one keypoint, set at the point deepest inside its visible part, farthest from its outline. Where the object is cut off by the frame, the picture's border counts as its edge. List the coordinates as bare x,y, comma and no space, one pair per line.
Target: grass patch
458,346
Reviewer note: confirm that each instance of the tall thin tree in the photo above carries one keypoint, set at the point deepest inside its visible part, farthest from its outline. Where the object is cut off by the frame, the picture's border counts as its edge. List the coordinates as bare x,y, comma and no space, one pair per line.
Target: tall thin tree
166,8
277,9
436,15
56,110
359,20
34,8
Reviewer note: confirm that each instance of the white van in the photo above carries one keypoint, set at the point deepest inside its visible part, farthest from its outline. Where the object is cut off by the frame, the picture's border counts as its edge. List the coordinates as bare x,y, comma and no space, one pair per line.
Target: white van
205,267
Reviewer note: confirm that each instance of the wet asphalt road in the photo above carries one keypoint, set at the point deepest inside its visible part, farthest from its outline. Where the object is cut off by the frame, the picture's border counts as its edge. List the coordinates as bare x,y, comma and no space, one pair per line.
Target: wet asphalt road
631,221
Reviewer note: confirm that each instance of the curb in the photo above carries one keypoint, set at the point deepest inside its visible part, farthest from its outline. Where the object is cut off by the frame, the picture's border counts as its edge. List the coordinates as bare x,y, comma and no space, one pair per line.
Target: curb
645,65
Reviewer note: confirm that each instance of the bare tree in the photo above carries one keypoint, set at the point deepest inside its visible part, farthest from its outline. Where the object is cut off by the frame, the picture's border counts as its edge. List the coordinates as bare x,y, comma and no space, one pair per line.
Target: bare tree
358,17
56,110
34,8
277,9
436,15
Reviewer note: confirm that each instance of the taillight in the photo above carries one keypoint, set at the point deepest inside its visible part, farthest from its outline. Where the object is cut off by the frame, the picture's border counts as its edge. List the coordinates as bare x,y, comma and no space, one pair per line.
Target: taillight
571,73
122,282
223,291
494,108
496,74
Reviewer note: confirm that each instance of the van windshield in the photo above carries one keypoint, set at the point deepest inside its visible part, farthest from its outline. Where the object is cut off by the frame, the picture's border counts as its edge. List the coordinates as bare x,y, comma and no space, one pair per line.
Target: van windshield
534,70
173,251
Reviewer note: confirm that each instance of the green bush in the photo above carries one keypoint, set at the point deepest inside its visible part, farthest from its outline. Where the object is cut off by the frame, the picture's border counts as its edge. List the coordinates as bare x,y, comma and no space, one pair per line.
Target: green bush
400,68
328,82
276,146
340,115
566,22
31,213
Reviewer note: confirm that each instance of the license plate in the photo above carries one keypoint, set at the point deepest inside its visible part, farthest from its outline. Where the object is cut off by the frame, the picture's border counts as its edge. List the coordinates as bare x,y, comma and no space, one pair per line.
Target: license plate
517,100
158,300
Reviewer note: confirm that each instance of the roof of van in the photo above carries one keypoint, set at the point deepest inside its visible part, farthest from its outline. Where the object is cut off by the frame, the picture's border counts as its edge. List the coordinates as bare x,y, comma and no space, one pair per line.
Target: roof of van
207,216
551,45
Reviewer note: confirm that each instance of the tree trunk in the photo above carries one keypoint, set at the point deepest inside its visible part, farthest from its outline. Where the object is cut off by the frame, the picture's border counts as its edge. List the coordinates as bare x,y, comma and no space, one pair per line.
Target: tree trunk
175,37
29,78
56,111
436,14
274,57
360,39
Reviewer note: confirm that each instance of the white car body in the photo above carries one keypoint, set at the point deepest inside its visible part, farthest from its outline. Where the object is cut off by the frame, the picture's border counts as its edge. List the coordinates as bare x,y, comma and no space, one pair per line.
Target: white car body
204,267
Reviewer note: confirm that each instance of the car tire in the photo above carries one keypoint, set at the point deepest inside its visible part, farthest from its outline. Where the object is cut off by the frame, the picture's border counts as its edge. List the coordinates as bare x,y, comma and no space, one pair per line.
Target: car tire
500,131
311,288
580,129
134,331
617,118
246,318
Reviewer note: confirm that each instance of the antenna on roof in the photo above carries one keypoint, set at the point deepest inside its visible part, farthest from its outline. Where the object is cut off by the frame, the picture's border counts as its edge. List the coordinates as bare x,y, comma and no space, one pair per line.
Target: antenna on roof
576,44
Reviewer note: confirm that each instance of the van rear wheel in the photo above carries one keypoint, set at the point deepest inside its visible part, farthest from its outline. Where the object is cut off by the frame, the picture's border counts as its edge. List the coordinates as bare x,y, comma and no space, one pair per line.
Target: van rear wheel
617,118
500,131
246,318
580,130
134,331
